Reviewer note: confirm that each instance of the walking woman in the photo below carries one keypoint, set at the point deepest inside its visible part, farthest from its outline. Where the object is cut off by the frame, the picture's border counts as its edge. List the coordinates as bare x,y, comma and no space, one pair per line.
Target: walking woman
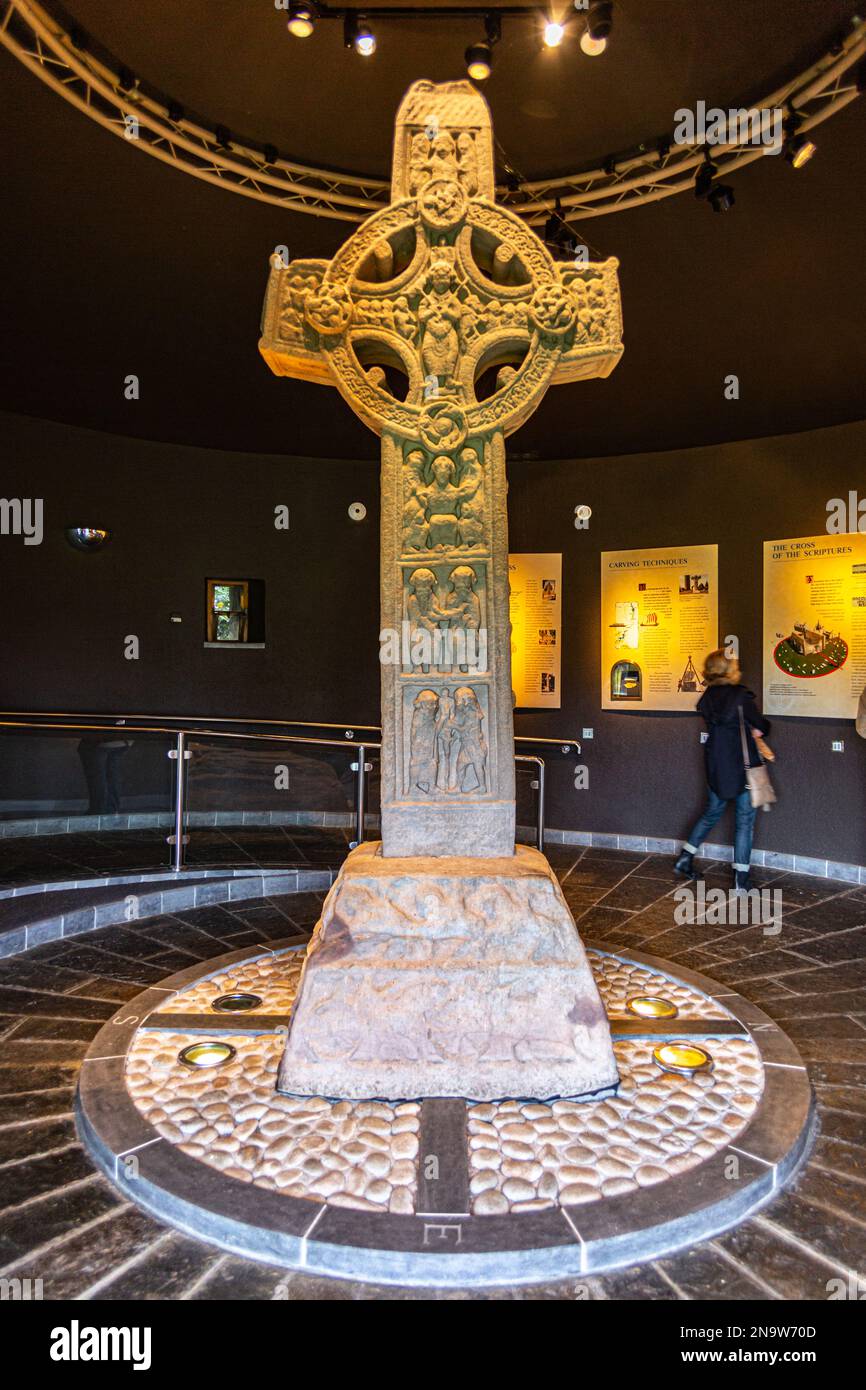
720,706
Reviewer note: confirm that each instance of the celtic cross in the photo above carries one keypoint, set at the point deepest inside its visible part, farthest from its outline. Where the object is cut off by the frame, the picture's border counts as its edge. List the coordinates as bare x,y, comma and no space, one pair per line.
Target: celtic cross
442,321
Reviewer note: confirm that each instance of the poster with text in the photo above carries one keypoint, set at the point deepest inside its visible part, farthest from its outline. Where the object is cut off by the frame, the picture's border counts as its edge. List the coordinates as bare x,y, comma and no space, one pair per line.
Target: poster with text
815,625
536,629
659,619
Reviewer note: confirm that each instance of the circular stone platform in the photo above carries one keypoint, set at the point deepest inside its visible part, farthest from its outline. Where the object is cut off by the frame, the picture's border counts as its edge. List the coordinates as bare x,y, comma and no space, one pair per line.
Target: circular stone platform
442,1192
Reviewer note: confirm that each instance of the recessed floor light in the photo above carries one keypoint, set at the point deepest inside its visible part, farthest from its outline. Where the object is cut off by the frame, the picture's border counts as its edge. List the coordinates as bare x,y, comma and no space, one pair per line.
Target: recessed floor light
649,1006
206,1054
235,1003
682,1057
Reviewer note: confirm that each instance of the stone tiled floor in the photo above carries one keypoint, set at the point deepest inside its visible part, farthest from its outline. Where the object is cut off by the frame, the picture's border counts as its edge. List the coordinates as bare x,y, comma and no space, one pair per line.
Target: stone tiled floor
61,1221
53,858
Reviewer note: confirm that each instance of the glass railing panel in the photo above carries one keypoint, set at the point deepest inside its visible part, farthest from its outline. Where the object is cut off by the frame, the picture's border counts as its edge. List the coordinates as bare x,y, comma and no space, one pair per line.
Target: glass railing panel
527,802
79,802
271,803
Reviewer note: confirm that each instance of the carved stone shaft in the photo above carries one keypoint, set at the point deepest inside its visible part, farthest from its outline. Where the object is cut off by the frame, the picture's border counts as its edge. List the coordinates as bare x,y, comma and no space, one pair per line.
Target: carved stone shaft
465,798
459,298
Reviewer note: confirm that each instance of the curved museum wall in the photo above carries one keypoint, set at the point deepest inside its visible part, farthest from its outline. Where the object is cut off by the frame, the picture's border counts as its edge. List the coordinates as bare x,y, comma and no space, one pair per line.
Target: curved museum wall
180,516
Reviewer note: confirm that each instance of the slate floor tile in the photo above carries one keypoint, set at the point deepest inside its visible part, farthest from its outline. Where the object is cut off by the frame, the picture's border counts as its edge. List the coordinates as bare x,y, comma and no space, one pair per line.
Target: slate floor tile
838,914
840,1241
635,893
840,1157
638,1283
834,948
66,1029
841,1124
31,1140
829,1026
166,1270
233,1279
36,1105
70,1267
780,1264
38,1223
24,1181
703,1273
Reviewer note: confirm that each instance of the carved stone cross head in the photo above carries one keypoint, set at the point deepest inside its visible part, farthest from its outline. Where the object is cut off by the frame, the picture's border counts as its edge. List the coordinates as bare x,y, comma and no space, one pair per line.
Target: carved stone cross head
442,321
442,286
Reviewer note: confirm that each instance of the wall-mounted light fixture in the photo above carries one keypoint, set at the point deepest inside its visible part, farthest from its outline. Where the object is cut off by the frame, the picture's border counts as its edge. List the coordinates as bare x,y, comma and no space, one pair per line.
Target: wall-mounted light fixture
87,537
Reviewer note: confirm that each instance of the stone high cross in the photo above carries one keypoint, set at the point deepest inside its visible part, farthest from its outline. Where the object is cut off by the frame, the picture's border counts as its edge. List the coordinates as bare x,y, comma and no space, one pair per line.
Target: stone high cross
451,292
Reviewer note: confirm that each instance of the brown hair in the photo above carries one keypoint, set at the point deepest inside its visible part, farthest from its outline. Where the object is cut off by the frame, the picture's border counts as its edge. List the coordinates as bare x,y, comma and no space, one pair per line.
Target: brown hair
718,667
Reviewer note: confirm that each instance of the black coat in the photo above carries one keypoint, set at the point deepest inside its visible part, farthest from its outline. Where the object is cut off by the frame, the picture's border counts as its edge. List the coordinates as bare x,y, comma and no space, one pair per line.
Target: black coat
720,706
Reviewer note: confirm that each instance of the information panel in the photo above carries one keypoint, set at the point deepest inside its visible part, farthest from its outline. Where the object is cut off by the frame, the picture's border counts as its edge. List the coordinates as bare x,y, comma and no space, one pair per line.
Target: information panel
536,629
815,625
659,619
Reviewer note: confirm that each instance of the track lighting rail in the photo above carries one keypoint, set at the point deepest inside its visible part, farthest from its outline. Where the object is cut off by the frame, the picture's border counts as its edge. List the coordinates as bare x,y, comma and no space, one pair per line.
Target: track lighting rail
157,125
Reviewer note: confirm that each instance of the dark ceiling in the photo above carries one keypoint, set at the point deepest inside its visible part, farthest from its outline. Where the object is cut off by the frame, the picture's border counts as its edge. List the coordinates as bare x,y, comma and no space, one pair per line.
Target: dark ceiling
116,264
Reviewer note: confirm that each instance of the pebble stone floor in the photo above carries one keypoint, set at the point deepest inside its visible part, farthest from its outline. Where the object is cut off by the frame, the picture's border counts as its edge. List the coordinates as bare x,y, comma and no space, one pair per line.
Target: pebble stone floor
520,1156
60,1221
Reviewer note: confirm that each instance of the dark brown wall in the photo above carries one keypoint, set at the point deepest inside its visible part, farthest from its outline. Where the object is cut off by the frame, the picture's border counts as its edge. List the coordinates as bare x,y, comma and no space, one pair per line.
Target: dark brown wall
179,515
646,770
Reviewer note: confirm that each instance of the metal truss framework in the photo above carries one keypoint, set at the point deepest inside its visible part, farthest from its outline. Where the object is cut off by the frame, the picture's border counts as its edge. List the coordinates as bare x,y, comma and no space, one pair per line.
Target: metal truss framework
38,41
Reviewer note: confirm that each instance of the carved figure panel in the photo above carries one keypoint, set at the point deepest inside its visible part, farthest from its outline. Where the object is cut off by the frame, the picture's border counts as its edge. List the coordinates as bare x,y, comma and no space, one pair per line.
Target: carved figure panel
447,746
444,618
444,502
441,131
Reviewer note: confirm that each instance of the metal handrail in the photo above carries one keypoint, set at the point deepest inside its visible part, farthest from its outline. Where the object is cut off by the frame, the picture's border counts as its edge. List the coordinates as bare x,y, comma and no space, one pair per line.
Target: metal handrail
200,733
181,754
120,720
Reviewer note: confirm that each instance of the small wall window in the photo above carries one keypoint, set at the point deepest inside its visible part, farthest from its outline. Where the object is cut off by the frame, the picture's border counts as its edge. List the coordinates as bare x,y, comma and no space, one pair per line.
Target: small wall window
235,612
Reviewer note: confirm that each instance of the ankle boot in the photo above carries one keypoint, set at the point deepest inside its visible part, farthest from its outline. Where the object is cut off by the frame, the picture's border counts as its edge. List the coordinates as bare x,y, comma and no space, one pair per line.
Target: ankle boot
685,865
742,881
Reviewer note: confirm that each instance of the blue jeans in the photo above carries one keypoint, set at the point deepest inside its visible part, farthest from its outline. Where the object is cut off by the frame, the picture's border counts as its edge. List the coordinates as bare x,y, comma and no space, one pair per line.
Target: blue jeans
745,813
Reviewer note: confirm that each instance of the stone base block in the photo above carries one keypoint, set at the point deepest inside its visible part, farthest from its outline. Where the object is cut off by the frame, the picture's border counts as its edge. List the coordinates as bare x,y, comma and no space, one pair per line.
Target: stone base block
410,828
447,977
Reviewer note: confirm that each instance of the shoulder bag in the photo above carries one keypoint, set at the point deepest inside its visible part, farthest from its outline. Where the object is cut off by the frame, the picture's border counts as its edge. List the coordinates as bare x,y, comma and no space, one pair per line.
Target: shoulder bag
757,778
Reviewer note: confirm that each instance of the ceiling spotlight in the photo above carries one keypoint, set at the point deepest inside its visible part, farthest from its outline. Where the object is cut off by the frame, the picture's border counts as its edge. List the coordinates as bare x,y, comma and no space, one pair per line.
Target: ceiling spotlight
599,23
704,178
516,192
590,46
553,33
365,42
479,61
798,149
553,225
301,21
721,198
357,34
479,56
559,238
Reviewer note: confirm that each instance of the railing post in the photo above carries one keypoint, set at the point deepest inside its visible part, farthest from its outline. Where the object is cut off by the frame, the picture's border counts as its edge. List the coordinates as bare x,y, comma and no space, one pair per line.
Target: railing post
179,798
360,769
539,829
